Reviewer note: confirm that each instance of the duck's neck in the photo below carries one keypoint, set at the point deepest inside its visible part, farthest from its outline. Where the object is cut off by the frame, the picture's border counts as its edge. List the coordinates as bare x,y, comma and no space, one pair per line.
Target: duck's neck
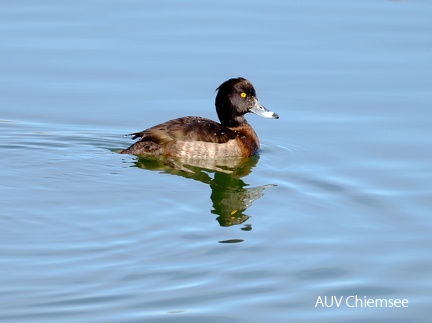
226,115
234,122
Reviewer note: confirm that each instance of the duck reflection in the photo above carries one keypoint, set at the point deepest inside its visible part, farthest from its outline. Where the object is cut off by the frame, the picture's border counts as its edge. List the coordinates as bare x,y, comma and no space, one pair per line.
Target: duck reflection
229,193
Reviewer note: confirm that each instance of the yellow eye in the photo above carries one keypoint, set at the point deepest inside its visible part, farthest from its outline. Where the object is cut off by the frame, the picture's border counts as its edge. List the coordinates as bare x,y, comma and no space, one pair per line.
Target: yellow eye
243,95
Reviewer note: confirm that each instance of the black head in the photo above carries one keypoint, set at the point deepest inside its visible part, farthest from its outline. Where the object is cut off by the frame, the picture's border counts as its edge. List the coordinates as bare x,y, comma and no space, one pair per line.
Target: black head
235,98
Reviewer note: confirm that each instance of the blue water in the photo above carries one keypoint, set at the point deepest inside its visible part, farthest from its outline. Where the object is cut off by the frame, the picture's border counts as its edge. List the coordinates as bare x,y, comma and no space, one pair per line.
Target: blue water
337,204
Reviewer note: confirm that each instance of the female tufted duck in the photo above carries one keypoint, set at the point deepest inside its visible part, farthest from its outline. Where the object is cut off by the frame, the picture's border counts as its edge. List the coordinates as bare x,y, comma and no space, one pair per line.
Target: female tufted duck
197,137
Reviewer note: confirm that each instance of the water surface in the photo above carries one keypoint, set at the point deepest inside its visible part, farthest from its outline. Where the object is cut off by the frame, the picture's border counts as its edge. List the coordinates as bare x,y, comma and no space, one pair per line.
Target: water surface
337,203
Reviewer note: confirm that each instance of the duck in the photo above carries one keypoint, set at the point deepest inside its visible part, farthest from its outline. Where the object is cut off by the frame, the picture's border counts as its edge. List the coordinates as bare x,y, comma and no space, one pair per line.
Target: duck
198,137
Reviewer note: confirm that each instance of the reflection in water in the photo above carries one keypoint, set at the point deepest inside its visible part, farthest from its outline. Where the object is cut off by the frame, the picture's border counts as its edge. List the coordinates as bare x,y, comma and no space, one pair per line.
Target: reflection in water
229,195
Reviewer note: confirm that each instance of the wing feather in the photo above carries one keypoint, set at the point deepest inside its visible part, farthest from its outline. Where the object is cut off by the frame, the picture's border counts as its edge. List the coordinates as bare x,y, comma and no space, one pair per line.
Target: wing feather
186,129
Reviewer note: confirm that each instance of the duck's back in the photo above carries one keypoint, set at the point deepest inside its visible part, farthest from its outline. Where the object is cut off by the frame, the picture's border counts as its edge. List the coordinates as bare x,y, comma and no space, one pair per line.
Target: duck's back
194,137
